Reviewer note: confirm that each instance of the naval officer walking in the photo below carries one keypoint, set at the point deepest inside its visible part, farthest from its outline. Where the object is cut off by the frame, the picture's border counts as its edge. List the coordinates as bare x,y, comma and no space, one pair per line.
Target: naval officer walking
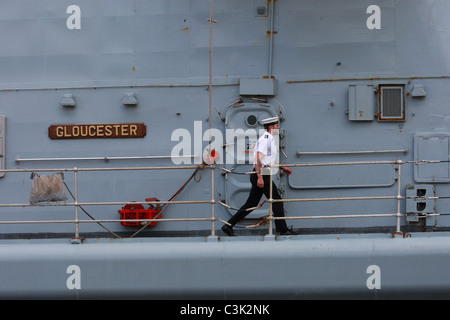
265,152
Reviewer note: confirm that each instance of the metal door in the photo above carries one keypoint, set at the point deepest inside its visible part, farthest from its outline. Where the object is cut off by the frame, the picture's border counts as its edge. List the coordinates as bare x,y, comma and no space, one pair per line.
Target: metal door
242,129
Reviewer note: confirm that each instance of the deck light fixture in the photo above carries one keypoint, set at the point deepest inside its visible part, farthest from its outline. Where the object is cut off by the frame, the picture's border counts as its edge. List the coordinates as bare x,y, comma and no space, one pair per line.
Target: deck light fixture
67,100
418,91
129,99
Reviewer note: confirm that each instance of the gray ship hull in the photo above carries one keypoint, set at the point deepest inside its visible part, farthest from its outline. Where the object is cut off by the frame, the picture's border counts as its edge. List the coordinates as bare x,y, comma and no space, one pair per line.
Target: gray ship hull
298,267
124,101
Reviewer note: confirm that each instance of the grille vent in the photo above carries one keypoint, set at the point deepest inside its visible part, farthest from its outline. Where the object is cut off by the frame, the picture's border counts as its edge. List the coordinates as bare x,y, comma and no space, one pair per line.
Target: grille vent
392,106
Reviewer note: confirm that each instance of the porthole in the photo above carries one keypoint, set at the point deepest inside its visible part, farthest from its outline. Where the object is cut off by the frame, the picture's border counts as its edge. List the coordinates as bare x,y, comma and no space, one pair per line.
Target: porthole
251,121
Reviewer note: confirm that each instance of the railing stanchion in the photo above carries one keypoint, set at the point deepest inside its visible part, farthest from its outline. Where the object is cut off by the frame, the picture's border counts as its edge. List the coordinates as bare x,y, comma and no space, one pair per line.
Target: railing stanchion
213,226
270,204
77,223
399,196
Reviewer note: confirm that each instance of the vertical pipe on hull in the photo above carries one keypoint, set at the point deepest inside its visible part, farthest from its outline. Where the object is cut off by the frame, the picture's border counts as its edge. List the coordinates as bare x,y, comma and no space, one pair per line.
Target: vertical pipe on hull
211,21
271,9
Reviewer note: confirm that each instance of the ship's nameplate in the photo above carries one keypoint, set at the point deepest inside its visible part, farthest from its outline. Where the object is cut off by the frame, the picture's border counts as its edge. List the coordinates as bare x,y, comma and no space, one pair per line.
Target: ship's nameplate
92,131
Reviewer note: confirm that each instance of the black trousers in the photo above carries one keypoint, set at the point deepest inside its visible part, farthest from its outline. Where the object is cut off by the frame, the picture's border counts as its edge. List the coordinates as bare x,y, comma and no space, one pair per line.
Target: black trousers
253,201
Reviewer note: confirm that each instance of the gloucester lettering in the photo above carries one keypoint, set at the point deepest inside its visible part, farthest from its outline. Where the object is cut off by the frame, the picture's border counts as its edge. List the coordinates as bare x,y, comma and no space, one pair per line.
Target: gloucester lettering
90,131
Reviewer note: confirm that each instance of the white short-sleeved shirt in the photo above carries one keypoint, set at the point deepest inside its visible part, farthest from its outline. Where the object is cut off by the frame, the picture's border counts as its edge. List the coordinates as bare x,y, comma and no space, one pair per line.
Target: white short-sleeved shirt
267,146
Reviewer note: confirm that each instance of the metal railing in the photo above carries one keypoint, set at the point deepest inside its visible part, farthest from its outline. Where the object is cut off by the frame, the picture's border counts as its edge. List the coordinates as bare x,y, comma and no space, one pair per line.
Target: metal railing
212,218
78,204
398,197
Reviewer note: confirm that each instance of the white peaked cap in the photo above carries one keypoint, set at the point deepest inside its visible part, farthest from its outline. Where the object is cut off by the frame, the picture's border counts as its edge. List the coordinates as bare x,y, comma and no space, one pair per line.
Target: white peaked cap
269,120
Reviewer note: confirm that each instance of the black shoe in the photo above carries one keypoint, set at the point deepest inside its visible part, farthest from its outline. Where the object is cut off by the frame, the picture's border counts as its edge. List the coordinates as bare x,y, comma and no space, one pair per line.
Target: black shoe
228,230
289,232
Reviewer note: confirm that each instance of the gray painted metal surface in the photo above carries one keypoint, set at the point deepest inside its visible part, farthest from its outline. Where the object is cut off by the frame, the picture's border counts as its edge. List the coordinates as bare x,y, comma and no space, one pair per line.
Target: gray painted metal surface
304,60
368,267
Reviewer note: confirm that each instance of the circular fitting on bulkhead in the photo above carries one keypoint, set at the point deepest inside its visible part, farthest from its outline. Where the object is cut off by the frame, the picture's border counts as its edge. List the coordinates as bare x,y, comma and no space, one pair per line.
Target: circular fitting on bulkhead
251,121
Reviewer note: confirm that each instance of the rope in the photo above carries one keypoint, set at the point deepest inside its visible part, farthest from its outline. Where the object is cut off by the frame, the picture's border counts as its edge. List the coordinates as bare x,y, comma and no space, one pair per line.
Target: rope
164,206
101,225
262,222
249,209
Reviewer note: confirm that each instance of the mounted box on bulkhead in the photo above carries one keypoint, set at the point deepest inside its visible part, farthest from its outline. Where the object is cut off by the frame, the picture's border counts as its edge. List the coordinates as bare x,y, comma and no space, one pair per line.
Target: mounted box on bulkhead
361,103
